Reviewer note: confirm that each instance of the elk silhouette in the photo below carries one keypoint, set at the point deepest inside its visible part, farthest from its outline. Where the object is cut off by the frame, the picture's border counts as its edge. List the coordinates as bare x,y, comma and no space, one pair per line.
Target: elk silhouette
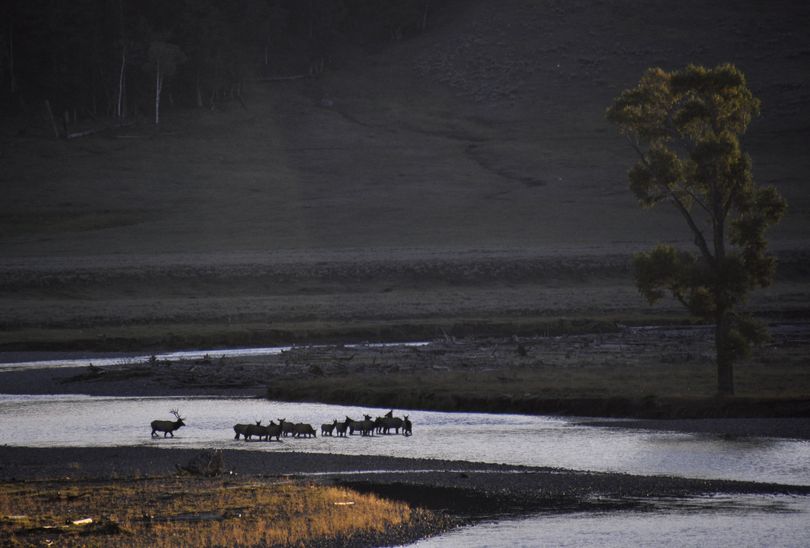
341,428
242,429
305,430
255,430
167,427
288,429
275,430
327,429
407,427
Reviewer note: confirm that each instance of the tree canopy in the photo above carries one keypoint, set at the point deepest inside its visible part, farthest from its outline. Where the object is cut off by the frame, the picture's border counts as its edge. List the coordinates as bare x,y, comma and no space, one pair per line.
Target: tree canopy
685,127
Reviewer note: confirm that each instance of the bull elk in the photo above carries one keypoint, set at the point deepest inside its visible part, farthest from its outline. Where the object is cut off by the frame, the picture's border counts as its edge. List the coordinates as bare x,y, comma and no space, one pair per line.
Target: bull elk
167,427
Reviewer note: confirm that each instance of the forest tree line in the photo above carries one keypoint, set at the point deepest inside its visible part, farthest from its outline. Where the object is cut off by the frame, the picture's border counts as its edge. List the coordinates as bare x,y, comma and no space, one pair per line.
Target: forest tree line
115,58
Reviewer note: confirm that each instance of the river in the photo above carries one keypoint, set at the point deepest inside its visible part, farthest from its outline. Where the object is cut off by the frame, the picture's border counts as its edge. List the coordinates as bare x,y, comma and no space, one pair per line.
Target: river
75,420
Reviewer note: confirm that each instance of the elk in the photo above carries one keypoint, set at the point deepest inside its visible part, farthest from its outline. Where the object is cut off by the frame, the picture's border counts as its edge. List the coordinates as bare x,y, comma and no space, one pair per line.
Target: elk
167,427
275,430
387,423
255,430
352,424
327,429
358,425
287,429
242,429
341,428
366,426
303,429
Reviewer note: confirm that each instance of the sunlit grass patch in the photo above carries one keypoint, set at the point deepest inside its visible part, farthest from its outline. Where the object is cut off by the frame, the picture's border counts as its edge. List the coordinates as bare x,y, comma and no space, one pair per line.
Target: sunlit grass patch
183,512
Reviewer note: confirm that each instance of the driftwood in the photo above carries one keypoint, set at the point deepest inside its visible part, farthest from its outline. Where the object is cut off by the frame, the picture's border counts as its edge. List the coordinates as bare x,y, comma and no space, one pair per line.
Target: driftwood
206,463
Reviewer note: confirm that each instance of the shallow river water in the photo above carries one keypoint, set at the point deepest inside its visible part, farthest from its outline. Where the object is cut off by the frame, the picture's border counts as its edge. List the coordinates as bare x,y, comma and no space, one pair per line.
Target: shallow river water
73,420
715,521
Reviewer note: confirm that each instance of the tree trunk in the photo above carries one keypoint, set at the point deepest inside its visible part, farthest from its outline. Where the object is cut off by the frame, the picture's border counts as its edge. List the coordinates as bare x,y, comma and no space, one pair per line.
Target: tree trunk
12,80
198,90
425,16
311,18
51,118
119,107
725,356
158,84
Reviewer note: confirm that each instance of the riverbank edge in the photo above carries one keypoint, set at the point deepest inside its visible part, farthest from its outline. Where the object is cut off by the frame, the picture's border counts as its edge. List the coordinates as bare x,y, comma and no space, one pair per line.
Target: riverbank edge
462,491
134,380
647,408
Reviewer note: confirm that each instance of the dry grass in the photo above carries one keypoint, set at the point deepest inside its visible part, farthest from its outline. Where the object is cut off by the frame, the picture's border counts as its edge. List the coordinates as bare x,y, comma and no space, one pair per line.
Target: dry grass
183,512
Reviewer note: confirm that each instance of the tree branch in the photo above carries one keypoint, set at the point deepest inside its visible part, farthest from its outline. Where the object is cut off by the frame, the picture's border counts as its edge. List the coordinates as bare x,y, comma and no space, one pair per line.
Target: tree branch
700,240
696,198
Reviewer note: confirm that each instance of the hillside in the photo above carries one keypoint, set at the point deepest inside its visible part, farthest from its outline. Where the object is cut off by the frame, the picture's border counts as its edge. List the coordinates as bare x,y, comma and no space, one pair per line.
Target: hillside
464,175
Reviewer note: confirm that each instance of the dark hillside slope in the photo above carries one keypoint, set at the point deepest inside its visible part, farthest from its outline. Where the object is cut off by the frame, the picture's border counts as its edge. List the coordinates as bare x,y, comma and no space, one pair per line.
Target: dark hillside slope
398,187
486,132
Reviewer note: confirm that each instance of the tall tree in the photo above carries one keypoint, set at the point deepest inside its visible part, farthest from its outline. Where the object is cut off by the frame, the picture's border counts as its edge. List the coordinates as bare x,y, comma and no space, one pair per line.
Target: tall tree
685,127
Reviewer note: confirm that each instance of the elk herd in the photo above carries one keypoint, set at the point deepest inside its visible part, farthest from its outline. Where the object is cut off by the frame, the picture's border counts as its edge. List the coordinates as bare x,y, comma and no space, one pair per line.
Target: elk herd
387,424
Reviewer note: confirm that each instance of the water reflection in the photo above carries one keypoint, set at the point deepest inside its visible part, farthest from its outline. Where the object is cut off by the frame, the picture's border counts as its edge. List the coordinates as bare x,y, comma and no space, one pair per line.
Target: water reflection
511,439
739,520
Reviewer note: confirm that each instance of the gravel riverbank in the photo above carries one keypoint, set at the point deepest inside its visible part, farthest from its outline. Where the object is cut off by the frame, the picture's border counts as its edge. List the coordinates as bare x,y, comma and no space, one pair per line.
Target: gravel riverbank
462,489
